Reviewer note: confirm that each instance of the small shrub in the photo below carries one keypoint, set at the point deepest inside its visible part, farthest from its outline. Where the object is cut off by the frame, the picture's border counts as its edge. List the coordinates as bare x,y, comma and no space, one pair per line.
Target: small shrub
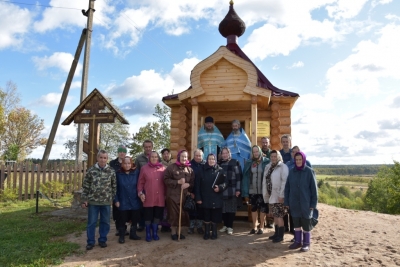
8,194
52,189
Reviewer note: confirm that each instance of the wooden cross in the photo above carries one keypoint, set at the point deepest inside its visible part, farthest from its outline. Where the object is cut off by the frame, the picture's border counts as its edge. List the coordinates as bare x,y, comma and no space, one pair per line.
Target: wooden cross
93,118
89,112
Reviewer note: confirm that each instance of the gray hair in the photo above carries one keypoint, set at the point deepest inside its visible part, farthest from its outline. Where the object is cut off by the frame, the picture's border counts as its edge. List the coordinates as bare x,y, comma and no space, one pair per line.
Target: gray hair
198,150
236,122
102,152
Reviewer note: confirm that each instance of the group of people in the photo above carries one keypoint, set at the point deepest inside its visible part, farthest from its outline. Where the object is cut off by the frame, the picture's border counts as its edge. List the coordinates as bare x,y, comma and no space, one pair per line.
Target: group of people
151,191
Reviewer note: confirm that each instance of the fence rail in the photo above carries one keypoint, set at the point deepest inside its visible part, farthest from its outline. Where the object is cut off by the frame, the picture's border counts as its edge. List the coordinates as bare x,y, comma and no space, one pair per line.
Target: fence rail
26,179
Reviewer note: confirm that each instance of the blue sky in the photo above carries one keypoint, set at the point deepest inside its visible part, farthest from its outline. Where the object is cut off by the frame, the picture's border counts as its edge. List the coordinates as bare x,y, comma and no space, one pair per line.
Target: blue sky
342,57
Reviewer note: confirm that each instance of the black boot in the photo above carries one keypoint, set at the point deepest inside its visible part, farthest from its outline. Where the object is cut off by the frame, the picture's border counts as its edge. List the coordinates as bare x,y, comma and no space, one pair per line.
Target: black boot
121,232
279,237
275,234
214,231
132,233
206,231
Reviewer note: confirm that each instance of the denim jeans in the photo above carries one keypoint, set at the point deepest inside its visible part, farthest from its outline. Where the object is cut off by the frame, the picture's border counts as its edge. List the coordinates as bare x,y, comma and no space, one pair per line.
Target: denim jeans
104,227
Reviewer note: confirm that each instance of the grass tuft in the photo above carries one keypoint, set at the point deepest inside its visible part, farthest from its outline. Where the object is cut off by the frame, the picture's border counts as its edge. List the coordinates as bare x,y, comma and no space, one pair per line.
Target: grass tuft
32,240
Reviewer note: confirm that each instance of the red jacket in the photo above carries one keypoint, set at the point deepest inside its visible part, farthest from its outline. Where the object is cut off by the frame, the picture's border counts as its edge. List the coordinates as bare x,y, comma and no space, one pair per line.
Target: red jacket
151,183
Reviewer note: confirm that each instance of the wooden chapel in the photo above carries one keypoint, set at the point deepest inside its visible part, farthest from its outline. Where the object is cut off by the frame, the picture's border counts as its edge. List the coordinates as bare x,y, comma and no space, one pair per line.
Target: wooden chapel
227,86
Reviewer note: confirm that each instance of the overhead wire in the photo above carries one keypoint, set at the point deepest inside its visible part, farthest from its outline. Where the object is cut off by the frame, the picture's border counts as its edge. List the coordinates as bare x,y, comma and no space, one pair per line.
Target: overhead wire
30,4
129,20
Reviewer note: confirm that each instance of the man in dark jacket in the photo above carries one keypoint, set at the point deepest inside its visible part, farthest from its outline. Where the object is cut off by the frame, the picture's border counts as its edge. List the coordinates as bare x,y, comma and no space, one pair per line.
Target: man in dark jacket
143,158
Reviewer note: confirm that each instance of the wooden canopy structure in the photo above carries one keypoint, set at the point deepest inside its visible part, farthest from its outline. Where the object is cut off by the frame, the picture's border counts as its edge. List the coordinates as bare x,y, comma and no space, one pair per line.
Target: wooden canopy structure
227,86
89,111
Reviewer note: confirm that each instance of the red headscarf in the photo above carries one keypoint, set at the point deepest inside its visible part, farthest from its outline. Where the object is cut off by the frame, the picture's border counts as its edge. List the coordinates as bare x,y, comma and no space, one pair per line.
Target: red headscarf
157,164
178,160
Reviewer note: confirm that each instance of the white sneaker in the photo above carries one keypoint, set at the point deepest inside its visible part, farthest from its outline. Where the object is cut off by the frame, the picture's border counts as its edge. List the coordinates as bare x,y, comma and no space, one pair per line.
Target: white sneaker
223,229
229,230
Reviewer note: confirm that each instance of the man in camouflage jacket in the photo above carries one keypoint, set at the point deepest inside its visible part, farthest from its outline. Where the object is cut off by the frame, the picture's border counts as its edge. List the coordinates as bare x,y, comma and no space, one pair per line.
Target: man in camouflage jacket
98,190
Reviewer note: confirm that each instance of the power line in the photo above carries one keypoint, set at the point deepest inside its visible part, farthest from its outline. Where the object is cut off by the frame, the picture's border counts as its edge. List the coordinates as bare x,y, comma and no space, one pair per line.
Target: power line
130,21
29,4
151,39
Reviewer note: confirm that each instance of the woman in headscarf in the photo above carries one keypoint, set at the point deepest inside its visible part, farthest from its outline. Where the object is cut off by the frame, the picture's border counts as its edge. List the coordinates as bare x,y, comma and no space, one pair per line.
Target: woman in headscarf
231,194
253,173
209,196
126,199
275,175
178,177
301,197
151,192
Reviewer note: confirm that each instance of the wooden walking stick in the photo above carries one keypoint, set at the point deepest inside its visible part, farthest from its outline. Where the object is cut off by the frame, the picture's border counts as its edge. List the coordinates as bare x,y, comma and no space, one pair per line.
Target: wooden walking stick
180,215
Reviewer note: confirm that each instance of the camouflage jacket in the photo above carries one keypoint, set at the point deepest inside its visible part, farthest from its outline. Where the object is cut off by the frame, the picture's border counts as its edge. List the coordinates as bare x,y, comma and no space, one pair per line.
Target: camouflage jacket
99,186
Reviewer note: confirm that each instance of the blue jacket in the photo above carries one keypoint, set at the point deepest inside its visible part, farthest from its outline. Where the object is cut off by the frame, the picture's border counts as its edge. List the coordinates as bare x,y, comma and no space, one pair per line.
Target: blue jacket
247,175
301,192
127,194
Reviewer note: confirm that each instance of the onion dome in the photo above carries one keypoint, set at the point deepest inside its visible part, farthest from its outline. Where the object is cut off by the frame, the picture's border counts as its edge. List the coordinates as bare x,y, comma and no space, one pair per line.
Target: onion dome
232,24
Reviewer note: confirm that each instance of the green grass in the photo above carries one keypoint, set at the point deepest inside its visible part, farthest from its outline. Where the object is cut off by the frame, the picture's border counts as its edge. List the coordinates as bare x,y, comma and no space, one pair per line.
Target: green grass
353,182
33,240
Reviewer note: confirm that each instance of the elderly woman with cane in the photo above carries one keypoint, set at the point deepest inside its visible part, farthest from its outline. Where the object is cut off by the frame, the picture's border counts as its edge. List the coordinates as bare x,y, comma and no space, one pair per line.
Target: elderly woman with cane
179,179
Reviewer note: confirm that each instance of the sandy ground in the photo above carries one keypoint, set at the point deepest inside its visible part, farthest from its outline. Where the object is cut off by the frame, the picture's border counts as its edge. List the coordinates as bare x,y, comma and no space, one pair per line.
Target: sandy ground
342,238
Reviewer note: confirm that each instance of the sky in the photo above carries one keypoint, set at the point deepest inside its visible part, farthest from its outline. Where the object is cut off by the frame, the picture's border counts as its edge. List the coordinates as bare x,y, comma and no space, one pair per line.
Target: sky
342,57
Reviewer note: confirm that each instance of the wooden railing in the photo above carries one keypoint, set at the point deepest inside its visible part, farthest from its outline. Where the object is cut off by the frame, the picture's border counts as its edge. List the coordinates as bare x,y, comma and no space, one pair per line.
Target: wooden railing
25,180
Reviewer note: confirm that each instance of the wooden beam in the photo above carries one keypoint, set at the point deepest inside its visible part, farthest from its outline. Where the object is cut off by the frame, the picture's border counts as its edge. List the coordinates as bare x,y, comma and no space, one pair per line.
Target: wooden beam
254,120
195,126
247,127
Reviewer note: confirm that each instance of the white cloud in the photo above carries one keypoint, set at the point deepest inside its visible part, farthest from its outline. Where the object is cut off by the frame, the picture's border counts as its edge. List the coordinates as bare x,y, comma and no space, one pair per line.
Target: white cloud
285,34
14,24
51,99
275,67
59,60
392,17
298,64
150,84
71,16
344,9
360,73
129,22
380,2
142,92
74,85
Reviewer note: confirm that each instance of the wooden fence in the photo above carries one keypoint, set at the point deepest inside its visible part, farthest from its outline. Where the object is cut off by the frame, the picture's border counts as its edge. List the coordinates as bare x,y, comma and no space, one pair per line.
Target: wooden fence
25,180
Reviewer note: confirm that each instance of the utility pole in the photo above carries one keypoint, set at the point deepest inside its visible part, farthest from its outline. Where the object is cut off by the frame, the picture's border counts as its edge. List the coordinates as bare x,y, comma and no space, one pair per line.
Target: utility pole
63,99
85,75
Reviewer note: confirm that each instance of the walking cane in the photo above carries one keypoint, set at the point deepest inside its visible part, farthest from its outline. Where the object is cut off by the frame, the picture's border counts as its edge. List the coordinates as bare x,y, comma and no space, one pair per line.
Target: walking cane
180,215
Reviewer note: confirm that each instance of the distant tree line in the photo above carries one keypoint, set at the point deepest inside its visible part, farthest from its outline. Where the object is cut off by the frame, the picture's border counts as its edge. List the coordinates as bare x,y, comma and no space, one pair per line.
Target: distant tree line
348,169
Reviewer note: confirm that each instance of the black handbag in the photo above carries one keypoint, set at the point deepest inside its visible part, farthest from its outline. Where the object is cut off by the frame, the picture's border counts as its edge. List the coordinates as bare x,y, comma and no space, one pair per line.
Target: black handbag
190,204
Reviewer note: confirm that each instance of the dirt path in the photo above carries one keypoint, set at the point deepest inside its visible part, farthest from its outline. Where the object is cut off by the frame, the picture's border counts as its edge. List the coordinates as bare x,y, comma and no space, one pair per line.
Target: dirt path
342,238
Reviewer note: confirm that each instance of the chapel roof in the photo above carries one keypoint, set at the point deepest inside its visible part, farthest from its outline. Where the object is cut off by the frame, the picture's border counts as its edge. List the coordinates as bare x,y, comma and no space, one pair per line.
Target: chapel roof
232,27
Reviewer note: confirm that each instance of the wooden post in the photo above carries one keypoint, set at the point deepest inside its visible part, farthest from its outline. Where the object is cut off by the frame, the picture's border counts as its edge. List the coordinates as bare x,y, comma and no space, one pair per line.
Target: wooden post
195,126
63,99
85,75
247,127
20,184
254,120
26,172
